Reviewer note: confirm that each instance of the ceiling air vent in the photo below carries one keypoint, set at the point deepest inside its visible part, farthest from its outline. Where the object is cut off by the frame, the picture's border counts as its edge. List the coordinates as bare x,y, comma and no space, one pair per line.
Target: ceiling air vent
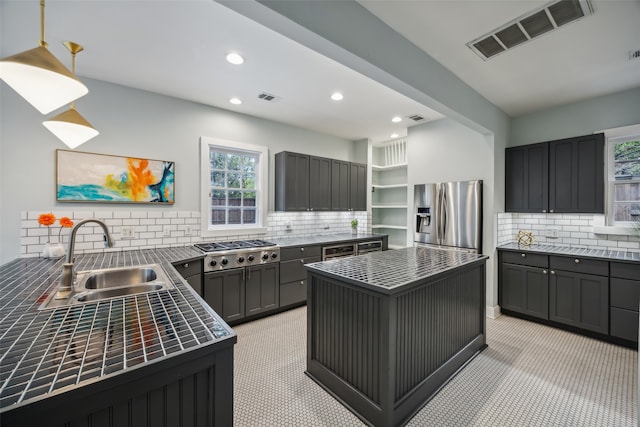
269,97
529,26
415,117
634,54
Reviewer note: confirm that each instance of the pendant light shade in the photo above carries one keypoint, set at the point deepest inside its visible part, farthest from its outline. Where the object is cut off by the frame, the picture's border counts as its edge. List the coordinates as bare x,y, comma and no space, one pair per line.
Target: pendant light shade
71,128
40,78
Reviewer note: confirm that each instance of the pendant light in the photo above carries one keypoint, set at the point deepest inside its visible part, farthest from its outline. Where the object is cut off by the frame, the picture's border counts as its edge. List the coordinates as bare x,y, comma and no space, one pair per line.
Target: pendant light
40,78
70,126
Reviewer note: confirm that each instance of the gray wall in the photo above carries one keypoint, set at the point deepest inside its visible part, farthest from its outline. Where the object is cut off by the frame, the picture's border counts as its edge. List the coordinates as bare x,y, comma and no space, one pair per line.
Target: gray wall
580,118
131,123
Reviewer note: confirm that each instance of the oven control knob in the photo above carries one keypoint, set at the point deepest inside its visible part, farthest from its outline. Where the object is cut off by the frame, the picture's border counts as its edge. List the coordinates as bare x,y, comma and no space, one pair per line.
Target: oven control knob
224,261
240,259
250,258
265,256
274,255
213,263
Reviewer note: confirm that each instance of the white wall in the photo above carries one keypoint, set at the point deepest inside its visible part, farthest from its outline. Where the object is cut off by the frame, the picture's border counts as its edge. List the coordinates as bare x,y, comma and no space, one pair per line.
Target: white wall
131,123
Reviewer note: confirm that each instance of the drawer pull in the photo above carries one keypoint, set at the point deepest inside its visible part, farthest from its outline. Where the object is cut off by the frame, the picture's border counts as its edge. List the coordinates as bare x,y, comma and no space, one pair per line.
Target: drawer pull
186,265
544,211
544,271
577,261
301,282
523,255
301,261
551,210
553,272
301,249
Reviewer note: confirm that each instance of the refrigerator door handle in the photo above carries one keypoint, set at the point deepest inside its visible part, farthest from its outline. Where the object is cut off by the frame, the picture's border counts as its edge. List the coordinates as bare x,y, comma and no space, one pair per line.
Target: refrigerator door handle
443,214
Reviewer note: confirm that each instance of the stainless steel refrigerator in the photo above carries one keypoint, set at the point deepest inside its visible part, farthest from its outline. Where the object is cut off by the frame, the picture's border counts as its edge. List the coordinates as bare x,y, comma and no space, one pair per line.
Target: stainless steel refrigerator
449,214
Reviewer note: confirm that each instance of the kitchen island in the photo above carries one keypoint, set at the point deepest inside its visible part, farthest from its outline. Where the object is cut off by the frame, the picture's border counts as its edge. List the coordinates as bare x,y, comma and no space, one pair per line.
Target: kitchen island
386,330
156,358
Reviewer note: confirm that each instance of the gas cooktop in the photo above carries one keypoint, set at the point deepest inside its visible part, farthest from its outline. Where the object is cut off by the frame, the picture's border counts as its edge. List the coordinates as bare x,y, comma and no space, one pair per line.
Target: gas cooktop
233,245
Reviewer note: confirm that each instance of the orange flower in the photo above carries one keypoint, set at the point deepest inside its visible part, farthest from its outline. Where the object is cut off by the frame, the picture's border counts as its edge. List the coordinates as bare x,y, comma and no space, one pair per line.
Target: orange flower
65,221
47,219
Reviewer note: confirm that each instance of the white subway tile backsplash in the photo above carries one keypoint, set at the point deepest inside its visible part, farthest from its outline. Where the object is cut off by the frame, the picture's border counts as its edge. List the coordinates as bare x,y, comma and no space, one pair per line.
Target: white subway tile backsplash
122,214
138,214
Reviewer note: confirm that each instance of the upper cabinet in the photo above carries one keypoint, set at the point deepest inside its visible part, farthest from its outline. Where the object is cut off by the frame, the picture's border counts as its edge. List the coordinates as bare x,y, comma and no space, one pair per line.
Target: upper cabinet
563,176
308,183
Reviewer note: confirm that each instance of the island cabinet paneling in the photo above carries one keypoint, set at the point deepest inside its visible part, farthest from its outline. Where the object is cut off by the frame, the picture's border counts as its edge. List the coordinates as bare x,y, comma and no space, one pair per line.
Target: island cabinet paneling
579,293
385,353
625,297
188,390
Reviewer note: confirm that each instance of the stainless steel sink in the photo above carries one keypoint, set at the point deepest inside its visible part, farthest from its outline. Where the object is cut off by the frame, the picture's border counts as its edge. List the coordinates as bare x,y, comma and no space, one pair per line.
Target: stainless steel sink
97,285
117,277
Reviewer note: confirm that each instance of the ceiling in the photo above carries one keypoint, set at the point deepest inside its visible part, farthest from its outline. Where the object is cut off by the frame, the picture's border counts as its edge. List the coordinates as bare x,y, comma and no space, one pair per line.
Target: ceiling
178,47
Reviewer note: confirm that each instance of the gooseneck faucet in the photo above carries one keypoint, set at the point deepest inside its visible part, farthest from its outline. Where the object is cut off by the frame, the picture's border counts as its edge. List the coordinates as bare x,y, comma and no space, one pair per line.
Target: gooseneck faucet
68,276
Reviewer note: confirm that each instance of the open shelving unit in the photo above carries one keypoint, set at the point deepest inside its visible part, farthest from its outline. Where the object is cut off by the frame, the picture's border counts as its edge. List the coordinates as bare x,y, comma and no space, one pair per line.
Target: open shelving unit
390,192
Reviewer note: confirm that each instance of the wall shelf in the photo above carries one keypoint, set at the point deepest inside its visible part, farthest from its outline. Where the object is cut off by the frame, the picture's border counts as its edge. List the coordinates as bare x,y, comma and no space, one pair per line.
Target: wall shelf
388,168
382,187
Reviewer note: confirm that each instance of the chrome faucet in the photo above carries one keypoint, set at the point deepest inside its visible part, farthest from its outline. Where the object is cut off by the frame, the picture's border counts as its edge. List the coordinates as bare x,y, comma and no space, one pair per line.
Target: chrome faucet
68,276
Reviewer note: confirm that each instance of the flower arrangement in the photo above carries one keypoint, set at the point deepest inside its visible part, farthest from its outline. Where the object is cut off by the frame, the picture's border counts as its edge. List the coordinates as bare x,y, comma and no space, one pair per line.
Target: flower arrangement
48,219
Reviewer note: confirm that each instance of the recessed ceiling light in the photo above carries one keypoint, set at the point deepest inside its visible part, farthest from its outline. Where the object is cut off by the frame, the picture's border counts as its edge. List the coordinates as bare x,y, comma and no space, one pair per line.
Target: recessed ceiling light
396,119
236,101
394,135
235,58
337,96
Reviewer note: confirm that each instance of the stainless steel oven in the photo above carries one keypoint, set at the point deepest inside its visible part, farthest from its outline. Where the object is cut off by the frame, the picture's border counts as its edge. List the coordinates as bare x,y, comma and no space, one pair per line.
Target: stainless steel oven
342,250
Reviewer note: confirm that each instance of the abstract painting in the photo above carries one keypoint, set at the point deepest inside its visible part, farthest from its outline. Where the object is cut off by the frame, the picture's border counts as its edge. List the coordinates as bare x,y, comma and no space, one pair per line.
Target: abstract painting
90,177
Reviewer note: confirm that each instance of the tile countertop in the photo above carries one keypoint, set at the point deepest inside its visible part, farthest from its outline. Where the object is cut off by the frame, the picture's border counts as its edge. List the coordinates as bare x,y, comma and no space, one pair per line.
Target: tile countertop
571,251
322,238
51,350
391,271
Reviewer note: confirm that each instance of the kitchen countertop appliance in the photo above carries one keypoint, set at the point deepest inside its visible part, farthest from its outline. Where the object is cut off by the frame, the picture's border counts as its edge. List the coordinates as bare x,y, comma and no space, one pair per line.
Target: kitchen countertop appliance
237,254
449,215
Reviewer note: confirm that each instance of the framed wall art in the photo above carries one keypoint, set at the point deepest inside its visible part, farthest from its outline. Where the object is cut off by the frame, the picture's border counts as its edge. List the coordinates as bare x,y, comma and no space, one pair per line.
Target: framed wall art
91,177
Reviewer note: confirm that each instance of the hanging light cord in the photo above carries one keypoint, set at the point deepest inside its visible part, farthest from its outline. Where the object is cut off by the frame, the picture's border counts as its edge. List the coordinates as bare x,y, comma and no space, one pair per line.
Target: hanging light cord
73,71
42,42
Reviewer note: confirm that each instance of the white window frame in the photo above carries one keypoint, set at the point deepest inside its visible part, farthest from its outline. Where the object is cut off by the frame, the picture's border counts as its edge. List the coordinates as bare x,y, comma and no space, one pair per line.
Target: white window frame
261,188
613,137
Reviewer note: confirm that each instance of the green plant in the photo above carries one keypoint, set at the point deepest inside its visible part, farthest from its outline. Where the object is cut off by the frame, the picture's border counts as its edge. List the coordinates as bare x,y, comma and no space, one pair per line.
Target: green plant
354,223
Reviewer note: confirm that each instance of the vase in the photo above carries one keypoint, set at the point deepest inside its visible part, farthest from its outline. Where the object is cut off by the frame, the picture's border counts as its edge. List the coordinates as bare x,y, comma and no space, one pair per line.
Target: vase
53,250
354,231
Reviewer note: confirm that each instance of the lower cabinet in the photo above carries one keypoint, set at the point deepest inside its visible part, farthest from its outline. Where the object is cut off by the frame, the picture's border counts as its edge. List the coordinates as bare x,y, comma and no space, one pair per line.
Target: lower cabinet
262,288
588,294
224,292
580,300
243,292
191,271
293,276
526,290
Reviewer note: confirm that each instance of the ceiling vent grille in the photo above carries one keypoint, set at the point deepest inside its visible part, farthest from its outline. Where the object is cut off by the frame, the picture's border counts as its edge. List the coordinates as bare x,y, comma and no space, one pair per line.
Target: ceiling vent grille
269,97
415,117
634,54
529,26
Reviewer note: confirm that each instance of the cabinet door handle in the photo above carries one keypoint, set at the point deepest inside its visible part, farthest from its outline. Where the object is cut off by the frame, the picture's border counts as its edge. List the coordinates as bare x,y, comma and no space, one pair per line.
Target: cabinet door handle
301,282
544,211
553,272
523,255
185,265
302,261
577,261
544,271
301,249
551,210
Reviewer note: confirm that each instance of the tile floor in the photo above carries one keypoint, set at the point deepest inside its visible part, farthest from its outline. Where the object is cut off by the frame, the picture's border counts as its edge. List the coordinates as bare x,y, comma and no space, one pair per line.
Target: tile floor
530,375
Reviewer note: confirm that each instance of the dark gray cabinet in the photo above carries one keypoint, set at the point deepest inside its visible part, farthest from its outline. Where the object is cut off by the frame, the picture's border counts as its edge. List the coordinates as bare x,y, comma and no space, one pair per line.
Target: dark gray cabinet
576,175
293,276
292,181
309,183
224,291
340,188
262,288
625,297
563,176
358,187
191,271
319,183
527,178
525,283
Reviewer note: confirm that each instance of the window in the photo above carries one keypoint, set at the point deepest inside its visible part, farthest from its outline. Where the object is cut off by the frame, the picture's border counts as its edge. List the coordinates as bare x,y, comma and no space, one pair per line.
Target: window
234,183
624,179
